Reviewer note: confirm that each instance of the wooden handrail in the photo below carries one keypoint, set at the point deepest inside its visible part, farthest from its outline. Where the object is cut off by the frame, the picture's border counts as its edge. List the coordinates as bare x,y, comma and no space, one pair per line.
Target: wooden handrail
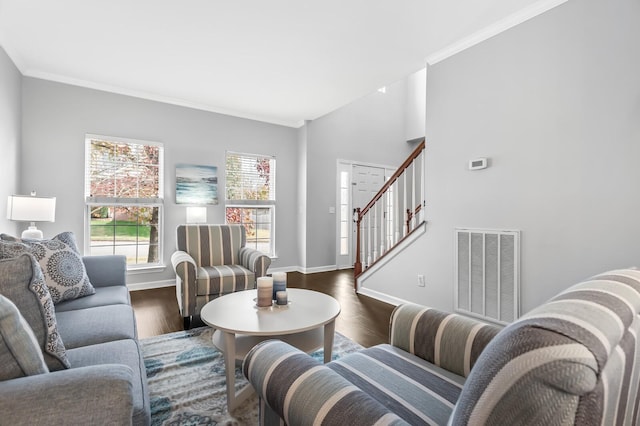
416,152
360,213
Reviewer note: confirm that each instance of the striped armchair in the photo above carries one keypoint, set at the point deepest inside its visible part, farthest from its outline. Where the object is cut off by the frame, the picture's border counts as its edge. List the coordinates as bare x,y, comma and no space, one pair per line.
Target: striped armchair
211,261
572,361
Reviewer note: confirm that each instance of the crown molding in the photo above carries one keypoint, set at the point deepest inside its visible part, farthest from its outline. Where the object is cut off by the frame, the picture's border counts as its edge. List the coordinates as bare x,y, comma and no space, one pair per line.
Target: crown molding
494,29
157,98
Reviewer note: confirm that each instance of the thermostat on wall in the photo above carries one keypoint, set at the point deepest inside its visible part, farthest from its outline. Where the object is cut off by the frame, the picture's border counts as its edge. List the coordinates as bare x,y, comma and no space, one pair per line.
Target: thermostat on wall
477,164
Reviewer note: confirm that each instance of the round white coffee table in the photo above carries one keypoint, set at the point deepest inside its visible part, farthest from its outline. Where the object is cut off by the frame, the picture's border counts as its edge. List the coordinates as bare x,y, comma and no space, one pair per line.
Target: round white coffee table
307,322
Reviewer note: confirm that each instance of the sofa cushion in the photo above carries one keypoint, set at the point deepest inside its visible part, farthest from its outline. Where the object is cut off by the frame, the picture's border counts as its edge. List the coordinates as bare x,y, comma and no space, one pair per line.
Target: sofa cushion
125,352
412,388
223,279
101,324
104,296
61,263
20,354
22,282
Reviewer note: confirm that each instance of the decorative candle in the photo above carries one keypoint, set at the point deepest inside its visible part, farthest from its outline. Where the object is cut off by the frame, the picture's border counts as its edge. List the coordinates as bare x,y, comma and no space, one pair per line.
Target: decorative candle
265,290
281,297
279,282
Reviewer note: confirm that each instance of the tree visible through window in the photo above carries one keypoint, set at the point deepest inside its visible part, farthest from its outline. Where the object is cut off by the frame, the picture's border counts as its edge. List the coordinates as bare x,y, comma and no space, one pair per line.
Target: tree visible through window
250,197
123,193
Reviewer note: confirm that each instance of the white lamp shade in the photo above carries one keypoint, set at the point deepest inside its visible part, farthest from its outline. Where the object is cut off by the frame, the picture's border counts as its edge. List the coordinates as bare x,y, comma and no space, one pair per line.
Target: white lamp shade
196,214
31,209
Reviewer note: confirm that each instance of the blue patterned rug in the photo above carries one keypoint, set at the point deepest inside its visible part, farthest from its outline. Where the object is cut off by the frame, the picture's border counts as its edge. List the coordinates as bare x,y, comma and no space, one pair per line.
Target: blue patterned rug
187,383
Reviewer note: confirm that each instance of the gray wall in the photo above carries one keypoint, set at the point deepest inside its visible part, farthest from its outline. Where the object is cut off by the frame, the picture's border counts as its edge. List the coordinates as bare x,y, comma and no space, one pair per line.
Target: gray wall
555,104
10,117
57,116
369,130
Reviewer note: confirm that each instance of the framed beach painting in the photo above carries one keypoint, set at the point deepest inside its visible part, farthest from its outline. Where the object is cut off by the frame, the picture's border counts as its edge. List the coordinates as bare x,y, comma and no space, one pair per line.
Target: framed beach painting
196,184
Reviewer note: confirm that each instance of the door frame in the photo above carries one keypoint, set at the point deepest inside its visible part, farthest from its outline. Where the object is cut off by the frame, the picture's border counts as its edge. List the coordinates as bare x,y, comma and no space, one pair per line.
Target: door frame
342,165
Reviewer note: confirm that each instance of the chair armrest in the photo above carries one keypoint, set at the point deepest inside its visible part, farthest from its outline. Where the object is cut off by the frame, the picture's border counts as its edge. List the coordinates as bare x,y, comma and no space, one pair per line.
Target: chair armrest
184,265
447,340
101,394
185,268
106,270
255,261
302,391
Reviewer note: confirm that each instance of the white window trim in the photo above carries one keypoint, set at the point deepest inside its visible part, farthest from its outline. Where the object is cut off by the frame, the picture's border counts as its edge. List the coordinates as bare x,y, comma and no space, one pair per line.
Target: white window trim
272,208
116,201
256,203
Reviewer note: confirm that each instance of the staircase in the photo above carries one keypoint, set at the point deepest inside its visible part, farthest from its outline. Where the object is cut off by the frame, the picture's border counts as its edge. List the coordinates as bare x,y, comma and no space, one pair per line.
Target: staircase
392,214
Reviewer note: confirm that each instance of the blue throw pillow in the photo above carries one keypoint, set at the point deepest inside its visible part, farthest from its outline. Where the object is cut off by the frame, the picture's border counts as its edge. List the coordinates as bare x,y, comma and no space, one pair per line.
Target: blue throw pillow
60,260
20,353
21,281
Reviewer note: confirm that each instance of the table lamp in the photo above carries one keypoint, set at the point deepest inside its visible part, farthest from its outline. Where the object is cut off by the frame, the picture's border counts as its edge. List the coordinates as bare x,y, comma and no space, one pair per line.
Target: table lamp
25,208
196,214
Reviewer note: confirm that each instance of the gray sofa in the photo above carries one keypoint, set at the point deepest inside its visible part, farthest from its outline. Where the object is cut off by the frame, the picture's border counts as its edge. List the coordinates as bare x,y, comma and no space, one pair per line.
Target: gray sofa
107,382
574,360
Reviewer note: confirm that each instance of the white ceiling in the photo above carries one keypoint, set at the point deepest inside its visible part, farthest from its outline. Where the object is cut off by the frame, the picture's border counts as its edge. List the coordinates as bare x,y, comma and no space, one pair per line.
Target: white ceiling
280,61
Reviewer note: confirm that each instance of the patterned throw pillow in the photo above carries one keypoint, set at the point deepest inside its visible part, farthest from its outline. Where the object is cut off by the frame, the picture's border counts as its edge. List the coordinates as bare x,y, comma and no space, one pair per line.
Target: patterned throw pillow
20,353
60,260
22,282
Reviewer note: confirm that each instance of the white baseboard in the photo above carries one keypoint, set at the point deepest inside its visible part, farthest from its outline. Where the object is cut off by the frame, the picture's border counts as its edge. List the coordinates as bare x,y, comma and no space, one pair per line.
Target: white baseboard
395,301
171,283
151,284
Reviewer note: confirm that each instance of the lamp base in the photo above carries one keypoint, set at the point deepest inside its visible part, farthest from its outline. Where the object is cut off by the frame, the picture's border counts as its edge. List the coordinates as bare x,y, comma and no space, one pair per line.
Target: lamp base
32,233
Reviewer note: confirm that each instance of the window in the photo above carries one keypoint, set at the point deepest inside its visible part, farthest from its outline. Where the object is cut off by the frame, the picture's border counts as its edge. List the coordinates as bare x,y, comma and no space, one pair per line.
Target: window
251,197
123,196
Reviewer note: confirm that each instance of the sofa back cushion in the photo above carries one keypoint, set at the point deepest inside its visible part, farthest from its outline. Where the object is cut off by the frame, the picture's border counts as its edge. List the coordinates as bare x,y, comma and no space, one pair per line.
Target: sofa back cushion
570,361
211,245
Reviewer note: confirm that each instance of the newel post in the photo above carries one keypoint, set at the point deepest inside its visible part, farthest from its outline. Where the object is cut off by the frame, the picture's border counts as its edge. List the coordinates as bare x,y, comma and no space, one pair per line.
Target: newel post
357,266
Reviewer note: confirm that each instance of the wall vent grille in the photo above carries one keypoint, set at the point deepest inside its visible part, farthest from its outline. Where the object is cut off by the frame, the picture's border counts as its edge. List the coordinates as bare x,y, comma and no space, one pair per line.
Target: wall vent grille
487,274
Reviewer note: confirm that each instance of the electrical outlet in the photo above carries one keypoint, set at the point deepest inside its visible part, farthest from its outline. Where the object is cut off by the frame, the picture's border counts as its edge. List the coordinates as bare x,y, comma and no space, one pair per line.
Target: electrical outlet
421,281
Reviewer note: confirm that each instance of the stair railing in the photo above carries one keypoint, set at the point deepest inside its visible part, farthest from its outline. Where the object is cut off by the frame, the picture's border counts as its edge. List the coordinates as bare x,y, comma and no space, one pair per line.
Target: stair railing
392,214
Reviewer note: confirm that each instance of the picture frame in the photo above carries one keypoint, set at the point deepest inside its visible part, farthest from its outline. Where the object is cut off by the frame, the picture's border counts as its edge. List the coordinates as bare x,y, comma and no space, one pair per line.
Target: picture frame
196,184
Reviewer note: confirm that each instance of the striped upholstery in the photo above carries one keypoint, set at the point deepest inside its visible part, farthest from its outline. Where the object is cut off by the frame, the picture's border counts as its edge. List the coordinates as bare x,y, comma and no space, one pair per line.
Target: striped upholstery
211,245
415,390
573,360
211,261
447,340
402,377
304,392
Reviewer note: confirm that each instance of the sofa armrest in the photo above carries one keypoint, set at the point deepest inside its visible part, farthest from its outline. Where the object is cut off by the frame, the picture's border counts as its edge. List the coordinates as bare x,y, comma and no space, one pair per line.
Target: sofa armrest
255,261
106,270
101,394
450,341
300,390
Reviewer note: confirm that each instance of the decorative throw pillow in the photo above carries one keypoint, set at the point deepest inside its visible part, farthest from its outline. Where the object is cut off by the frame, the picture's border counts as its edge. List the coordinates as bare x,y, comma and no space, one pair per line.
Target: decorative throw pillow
22,282
60,260
20,354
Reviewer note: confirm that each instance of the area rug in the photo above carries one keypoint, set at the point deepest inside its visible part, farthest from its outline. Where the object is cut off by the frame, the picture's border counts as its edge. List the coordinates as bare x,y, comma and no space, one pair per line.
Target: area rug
187,383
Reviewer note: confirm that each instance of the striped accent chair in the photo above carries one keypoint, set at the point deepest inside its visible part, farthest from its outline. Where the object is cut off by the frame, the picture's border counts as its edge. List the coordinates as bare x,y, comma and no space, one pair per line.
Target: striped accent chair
212,260
571,361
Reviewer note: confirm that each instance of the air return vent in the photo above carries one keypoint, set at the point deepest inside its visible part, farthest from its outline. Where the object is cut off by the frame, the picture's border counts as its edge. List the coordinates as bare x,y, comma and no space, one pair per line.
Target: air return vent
487,274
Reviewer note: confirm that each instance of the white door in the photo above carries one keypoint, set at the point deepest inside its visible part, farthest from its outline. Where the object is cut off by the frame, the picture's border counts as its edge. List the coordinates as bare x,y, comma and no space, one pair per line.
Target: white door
367,181
357,185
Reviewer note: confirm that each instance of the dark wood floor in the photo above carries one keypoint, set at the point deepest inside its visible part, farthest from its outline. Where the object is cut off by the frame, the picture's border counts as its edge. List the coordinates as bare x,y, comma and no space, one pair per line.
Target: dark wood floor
362,318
